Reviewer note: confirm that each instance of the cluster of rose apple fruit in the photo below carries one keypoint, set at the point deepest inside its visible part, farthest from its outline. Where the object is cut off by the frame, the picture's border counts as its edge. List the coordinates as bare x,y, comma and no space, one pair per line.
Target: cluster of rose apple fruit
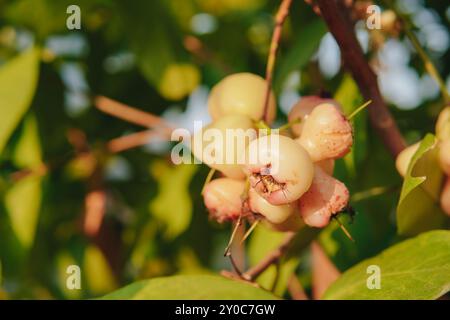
292,184
443,143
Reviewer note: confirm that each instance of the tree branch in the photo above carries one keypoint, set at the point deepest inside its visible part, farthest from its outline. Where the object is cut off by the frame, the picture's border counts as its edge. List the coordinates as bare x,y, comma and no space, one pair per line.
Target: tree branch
282,14
334,13
270,259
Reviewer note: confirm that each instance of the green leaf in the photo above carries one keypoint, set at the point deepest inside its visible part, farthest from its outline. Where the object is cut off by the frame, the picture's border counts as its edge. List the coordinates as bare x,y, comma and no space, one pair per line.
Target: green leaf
173,206
23,199
418,209
18,79
190,287
305,44
264,241
417,268
350,98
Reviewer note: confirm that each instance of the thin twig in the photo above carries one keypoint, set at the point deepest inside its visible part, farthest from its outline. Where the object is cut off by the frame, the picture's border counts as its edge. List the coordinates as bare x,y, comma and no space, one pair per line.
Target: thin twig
270,259
130,114
335,15
283,12
134,140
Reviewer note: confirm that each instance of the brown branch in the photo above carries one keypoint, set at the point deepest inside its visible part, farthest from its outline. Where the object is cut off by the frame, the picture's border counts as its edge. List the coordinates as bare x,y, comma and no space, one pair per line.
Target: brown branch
283,12
334,13
270,259
295,288
133,140
324,272
130,114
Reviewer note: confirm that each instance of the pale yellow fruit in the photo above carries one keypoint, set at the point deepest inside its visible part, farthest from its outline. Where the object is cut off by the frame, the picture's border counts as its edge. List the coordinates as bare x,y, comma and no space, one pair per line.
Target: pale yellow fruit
222,198
293,223
325,197
444,156
279,169
241,93
445,197
221,144
326,134
274,214
303,108
443,124
404,158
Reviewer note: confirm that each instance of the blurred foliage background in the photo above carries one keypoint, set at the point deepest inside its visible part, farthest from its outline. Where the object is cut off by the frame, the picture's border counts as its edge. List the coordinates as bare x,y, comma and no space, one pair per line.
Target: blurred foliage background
132,215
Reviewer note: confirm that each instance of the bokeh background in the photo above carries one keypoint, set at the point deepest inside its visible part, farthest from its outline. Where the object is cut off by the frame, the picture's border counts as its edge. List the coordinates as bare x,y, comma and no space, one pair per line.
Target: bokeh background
124,216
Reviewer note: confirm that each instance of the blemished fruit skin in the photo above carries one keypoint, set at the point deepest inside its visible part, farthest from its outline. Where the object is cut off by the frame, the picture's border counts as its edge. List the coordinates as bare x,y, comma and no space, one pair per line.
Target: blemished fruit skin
404,158
445,197
274,214
200,144
443,124
326,134
222,198
444,156
325,197
280,172
241,93
303,108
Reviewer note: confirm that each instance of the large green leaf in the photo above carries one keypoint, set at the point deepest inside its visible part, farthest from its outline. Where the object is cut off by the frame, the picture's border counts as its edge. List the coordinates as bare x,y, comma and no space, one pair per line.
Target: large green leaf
305,44
18,80
23,199
417,268
418,208
173,206
190,287
263,241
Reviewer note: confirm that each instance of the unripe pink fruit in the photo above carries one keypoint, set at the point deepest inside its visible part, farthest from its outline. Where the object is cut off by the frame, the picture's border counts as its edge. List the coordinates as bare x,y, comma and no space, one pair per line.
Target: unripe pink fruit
443,124
222,198
280,170
241,93
444,156
326,134
303,108
207,148
404,158
325,197
274,214
326,165
445,197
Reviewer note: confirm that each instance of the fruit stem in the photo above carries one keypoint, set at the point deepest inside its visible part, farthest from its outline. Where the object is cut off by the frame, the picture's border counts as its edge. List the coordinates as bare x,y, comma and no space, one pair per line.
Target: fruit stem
343,228
249,231
289,124
358,110
282,13
208,178
233,235
428,64
235,267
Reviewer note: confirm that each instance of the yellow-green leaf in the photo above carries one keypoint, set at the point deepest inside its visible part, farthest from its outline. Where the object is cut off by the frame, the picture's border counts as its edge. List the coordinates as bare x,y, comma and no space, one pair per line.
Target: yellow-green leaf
190,287
98,274
418,209
23,199
173,206
18,79
417,268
